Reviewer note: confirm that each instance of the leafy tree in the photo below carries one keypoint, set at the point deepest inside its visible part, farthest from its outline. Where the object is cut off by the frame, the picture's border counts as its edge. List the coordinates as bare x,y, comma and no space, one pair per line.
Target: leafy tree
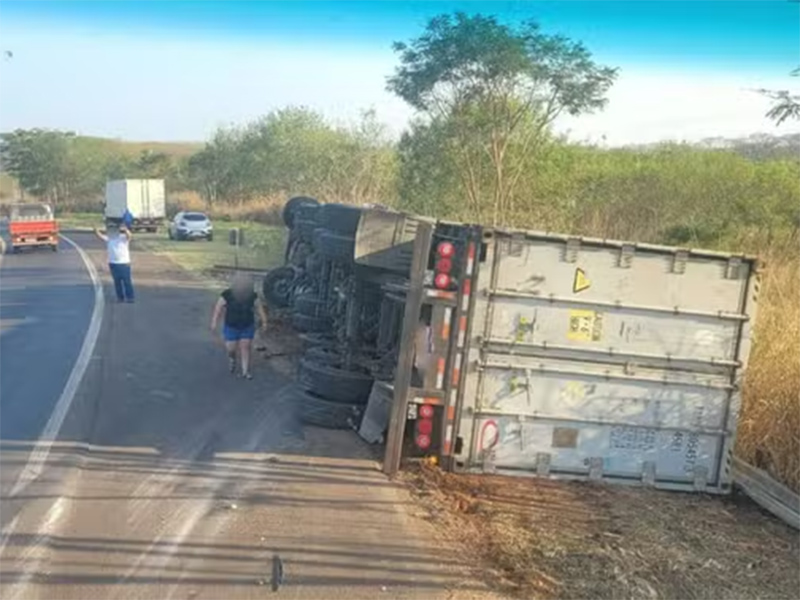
38,158
786,105
495,86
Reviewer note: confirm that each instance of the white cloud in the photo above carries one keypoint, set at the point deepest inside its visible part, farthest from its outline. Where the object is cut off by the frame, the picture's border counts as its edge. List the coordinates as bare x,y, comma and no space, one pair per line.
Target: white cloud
649,107
157,89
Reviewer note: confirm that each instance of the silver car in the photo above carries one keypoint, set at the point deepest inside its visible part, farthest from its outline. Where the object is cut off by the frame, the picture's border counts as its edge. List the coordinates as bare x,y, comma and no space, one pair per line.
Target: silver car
190,226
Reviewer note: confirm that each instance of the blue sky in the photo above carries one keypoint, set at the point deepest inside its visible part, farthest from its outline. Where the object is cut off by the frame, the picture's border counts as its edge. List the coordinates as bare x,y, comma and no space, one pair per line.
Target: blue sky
177,70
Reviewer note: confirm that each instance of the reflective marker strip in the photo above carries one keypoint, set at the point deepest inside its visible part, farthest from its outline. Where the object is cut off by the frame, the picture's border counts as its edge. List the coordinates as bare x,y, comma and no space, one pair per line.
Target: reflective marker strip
440,374
448,439
457,369
448,315
470,258
462,331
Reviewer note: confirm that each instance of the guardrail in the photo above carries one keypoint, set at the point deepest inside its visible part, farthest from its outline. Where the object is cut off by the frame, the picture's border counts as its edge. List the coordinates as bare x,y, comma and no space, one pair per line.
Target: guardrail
767,493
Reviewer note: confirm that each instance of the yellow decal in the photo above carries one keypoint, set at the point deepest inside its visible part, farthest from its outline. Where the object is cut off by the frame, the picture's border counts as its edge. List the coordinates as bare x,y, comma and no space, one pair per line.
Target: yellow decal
585,326
580,282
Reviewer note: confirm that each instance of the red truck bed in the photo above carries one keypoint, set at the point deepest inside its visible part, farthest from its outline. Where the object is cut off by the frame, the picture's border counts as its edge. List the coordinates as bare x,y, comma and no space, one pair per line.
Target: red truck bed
33,233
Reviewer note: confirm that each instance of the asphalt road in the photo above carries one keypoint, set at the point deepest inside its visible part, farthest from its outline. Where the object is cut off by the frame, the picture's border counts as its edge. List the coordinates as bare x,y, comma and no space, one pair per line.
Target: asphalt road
46,304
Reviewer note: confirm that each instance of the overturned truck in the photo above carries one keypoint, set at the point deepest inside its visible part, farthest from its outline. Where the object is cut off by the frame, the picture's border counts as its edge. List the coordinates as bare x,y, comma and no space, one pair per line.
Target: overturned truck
519,352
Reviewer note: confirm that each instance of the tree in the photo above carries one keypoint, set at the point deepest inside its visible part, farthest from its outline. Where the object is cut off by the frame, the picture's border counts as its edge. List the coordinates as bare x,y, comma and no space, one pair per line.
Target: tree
38,159
494,87
786,105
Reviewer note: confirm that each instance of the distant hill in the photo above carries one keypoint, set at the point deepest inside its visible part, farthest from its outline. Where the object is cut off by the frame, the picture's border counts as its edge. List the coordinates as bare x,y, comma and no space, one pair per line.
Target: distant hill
760,146
176,149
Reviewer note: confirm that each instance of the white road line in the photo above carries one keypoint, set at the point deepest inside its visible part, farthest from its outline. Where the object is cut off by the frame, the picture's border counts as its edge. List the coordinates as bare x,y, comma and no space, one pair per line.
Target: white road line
35,465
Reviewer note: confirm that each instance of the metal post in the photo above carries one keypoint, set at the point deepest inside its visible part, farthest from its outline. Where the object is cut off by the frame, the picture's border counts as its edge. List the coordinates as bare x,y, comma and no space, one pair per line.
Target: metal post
405,361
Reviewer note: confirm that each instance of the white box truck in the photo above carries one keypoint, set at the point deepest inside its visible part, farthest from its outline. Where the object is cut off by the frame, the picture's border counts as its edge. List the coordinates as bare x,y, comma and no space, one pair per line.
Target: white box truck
144,199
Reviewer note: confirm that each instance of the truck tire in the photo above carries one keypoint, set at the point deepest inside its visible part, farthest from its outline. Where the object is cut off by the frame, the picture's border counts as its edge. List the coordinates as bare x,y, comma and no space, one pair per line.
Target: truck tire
322,355
321,340
309,305
290,208
333,246
306,324
340,218
277,287
304,228
334,383
317,411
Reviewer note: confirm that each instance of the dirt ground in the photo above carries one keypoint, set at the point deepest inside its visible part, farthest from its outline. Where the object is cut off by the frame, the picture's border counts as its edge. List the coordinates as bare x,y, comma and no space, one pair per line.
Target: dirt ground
547,539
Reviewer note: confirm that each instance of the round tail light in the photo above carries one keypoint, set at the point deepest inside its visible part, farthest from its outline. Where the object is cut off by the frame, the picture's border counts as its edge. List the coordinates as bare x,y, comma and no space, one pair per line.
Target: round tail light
441,281
445,250
444,265
425,427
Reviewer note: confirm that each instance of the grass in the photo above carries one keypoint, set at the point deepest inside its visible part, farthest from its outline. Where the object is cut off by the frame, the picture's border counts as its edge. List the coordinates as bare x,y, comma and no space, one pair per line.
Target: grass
769,424
263,248
263,244
547,539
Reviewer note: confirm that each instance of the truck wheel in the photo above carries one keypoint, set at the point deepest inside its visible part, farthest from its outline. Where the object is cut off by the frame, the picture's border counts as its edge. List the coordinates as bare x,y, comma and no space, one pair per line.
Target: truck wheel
318,340
305,229
331,415
290,208
54,247
334,246
169,234
309,305
277,287
306,324
323,355
334,383
340,218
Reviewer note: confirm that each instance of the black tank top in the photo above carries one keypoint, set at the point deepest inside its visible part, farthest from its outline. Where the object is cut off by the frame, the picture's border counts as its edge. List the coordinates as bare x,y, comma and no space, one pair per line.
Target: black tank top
239,311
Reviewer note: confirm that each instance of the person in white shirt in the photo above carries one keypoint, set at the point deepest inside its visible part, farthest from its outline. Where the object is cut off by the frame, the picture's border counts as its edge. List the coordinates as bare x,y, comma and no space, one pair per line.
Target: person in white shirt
119,260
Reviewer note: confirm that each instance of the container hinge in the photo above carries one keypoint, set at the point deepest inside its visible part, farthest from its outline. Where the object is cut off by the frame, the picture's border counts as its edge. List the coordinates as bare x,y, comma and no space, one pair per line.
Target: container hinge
516,244
679,262
572,250
626,255
649,473
734,266
596,467
700,478
630,368
542,464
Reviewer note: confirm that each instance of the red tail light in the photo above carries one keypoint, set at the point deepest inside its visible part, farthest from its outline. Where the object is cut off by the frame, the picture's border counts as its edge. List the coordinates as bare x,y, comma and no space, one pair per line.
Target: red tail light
444,265
445,249
424,427
442,281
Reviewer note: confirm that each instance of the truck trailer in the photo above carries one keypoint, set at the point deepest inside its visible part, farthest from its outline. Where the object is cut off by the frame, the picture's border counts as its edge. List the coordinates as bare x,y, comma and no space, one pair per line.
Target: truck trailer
143,199
519,352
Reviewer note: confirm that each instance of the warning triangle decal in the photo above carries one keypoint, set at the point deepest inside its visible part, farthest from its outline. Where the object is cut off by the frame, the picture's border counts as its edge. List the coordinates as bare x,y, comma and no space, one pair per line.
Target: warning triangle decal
581,281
